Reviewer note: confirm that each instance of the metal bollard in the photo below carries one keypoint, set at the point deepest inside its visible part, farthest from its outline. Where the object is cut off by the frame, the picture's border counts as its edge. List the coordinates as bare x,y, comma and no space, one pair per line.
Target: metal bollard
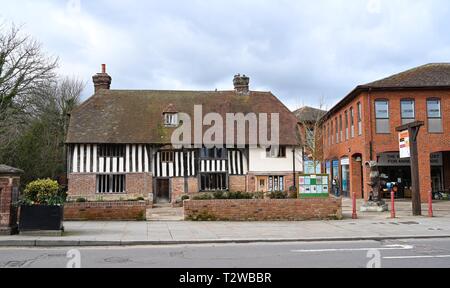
392,204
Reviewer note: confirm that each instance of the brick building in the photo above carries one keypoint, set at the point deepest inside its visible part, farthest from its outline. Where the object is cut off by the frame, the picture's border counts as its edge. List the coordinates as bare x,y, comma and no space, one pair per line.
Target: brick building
362,127
119,144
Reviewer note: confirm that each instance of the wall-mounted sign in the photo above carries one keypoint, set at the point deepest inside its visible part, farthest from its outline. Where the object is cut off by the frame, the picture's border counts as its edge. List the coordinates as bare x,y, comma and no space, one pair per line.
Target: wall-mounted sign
405,151
393,159
313,186
345,161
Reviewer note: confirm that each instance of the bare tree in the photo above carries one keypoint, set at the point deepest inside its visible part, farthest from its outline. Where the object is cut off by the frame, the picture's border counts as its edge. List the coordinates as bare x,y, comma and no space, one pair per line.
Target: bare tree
23,66
312,132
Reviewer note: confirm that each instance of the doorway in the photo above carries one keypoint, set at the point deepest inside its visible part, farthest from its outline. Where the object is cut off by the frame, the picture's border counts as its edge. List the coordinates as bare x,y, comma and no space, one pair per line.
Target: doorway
162,191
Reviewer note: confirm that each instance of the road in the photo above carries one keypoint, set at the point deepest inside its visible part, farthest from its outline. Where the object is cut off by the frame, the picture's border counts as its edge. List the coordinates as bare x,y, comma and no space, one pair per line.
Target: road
392,254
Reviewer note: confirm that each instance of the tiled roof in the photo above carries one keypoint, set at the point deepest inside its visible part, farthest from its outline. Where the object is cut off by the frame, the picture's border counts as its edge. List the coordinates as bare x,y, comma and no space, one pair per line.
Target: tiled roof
124,116
430,75
309,114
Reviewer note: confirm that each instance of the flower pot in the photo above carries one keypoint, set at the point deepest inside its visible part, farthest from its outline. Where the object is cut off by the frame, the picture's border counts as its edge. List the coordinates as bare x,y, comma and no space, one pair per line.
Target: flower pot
41,218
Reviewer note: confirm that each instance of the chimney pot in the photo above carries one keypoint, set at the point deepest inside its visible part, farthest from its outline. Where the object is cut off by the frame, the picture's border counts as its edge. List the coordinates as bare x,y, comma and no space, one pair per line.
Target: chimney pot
241,84
102,80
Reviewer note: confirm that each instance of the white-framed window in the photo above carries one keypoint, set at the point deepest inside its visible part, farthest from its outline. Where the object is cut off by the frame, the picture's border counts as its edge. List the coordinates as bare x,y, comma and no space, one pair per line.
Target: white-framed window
408,111
352,123
359,119
276,183
434,114
382,117
276,152
171,119
346,126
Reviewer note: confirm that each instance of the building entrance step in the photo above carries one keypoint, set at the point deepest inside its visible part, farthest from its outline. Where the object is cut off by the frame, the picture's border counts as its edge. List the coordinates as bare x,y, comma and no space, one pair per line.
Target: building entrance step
165,213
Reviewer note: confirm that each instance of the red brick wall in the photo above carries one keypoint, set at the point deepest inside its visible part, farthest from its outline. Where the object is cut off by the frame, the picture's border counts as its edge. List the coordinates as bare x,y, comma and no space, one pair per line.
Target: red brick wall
177,188
193,185
105,211
6,187
382,143
264,210
237,183
139,185
84,186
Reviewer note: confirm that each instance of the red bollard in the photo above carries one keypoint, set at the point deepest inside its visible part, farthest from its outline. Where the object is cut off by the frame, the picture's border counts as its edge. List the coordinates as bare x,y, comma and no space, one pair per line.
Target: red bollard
354,215
430,204
392,204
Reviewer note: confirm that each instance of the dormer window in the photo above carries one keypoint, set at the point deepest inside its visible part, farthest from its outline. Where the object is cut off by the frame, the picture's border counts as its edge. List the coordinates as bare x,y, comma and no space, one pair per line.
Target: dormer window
171,119
170,114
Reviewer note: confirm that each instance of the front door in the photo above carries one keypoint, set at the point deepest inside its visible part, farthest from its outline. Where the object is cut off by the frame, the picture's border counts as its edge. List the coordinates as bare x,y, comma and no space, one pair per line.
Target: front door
261,183
162,191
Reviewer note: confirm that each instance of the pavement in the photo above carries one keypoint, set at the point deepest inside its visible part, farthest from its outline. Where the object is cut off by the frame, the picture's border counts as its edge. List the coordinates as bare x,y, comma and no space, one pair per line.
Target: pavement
369,226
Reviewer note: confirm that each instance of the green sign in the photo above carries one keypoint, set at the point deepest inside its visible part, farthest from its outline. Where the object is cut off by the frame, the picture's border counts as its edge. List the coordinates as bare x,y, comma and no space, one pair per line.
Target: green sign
313,186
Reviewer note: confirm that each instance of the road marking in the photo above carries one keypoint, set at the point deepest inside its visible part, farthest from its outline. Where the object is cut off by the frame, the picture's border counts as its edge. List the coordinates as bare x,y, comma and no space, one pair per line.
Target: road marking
416,257
388,247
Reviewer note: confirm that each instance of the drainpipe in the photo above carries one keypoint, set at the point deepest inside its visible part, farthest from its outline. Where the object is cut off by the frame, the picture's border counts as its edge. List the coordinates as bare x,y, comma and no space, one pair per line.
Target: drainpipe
294,168
370,122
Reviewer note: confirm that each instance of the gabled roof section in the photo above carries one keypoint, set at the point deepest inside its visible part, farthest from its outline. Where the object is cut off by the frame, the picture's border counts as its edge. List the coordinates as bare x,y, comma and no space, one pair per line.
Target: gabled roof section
309,114
429,76
135,116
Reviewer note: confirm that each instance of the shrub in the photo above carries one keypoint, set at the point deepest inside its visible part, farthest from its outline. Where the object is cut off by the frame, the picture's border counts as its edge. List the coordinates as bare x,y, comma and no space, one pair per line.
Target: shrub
204,196
278,195
81,200
185,197
43,192
240,195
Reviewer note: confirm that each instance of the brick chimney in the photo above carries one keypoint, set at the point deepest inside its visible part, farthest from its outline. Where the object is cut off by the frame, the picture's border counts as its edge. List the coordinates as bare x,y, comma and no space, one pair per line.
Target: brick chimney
241,84
102,80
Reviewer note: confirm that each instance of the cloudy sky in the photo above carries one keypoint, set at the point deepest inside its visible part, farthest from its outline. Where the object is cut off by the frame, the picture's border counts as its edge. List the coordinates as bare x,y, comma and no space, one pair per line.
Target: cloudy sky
300,50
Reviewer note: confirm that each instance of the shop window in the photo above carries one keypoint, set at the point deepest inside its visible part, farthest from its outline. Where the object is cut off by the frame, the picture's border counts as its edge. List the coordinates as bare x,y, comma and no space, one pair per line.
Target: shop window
382,116
213,182
359,119
276,152
167,156
408,111
111,184
434,116
276,183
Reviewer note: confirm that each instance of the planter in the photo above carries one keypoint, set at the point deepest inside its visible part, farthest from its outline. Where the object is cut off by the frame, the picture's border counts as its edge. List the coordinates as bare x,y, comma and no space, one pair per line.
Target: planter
41,218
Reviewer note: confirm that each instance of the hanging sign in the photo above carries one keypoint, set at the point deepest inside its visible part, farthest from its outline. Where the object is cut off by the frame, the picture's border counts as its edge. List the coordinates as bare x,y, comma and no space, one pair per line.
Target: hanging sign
405,151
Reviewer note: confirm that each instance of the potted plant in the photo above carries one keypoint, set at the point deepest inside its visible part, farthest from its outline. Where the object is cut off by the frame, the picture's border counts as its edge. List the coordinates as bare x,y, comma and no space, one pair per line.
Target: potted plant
42,207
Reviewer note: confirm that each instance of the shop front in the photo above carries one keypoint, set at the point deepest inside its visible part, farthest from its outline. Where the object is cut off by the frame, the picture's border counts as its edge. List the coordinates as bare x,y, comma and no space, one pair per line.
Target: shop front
398,170
345,173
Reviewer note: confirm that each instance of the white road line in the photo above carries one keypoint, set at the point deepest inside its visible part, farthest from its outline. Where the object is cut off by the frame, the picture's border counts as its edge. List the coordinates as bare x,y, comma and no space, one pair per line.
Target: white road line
416,257
388,247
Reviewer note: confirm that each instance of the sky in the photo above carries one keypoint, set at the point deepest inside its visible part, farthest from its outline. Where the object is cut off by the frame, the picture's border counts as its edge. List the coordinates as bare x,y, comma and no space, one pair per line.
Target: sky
302,51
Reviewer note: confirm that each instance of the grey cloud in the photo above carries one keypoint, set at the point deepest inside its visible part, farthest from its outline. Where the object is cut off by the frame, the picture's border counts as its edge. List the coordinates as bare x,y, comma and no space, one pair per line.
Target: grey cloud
300,50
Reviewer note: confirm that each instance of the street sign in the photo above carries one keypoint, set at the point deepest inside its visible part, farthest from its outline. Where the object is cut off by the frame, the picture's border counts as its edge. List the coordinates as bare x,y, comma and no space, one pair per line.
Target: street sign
405,151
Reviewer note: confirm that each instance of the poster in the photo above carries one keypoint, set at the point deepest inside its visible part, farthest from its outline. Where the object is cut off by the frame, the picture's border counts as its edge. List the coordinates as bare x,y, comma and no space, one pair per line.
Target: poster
405,151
